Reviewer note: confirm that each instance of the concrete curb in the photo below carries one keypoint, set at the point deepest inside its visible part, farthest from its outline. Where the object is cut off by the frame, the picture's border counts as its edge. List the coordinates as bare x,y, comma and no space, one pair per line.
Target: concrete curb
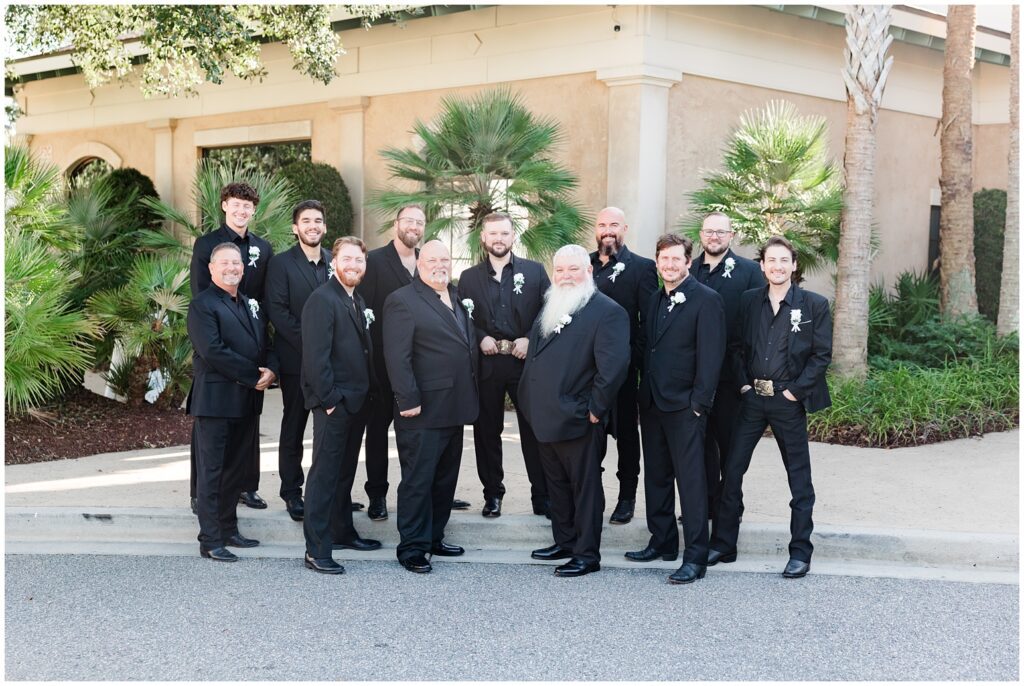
43,528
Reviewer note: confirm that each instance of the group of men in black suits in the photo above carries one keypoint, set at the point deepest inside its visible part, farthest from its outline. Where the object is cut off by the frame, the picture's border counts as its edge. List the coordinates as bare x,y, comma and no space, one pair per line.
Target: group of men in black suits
365,340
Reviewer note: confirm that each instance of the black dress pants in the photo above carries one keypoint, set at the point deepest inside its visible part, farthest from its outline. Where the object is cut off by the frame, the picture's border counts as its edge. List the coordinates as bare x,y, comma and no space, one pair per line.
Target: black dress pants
336,441
627,437
381,414
674,455
721,428
788,421
572,470
250,466
293,426
223,446
499,374
430,470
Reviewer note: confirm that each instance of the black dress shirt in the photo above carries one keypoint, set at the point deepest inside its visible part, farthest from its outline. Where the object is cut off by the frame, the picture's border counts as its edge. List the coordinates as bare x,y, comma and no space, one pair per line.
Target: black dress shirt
603,269
711,277
500,294
772,346
320,270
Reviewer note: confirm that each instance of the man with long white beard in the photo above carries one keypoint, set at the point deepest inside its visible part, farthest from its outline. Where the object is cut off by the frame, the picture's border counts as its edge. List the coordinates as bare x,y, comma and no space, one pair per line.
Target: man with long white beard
576,361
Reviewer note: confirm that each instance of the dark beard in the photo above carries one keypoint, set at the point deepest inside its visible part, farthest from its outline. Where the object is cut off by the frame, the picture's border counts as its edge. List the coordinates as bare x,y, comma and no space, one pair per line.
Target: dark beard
499,255
609,250
303,240
405,238
716,254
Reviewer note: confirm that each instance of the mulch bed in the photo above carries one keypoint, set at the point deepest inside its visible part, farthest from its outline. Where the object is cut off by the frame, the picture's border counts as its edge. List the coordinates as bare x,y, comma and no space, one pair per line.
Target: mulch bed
85,423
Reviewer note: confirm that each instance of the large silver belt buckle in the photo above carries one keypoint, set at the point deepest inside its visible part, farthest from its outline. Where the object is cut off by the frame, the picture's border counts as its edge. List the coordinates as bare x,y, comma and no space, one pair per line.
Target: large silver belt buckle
505,347
764,387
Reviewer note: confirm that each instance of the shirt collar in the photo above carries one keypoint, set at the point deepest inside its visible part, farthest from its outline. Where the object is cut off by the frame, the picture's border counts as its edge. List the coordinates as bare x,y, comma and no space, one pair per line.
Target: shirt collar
490,267
230,234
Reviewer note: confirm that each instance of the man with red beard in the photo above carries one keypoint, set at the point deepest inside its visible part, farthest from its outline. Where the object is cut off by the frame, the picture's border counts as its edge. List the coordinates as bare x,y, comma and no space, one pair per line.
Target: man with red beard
336,377
577,358
431,354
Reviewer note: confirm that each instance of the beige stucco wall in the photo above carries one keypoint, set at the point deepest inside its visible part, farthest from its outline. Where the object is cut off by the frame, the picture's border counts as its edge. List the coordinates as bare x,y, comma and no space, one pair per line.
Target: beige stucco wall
132,143
991,151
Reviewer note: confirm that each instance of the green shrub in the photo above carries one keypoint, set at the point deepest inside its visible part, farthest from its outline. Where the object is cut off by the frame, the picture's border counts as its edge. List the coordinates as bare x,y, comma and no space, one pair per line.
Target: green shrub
319,181
128,185
989,226
939,340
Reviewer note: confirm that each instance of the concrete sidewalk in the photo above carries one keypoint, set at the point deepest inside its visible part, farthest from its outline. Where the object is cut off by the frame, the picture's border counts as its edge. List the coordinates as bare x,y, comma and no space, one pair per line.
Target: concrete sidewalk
951,505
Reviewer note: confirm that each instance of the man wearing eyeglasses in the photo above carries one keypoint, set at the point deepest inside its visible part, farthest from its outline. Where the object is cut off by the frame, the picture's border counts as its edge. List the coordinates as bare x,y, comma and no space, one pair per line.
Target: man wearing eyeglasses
725,272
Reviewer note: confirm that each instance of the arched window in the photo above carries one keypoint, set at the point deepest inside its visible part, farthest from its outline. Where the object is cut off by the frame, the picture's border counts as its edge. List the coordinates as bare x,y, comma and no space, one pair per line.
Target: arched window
87,170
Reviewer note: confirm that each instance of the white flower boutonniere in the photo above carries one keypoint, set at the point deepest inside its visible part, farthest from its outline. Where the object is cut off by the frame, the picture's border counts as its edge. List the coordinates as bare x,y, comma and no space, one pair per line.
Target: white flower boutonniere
330,270
368,316
468,304
794,319
254,254
730,264
676,299
616,270
517,283
254,307
564,321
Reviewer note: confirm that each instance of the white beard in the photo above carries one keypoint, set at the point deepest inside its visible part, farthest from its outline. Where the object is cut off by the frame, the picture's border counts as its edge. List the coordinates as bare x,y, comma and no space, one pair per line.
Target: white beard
560,301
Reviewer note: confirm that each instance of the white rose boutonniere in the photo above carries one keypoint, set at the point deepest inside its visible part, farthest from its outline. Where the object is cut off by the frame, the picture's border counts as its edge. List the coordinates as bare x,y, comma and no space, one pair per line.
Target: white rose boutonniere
330,270
676,299
794,319
730,264
468,304
517,283
616,270
254,254
368,316
564,321
254,307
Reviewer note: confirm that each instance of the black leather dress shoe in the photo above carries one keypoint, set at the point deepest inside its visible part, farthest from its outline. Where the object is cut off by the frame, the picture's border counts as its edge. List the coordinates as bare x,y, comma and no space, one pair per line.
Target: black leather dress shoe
460,504
417,563
296,509
240,541
378,510
796,569
360,544
221,554
555,552
623,512
649,553
688,573
357,507
324,565
716,556
492,507
252,499
442,549
195,506
577,567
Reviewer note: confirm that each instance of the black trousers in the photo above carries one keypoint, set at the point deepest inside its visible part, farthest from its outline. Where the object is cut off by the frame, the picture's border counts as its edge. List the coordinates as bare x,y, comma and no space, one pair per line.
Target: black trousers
293,426
430,470
573,473
788,421
223,446
627,437
721,428
674,454
250,466
337,438
499,374
381,414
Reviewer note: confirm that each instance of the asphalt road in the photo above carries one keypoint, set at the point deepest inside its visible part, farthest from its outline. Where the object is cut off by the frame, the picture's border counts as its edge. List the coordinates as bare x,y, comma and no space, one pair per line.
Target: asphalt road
185,618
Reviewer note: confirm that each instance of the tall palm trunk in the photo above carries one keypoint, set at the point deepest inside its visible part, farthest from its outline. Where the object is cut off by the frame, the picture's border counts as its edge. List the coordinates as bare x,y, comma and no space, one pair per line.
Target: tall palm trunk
865,74
956,225
1009,315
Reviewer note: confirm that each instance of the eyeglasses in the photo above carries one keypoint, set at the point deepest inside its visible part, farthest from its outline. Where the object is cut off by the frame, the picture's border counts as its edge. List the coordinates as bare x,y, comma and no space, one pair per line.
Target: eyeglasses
405,221
717,233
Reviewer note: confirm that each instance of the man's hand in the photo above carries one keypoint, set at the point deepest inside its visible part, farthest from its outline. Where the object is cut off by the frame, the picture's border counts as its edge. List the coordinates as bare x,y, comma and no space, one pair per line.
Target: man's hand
414,412
789,396
488,346
330,410
266,378
519,347
593,419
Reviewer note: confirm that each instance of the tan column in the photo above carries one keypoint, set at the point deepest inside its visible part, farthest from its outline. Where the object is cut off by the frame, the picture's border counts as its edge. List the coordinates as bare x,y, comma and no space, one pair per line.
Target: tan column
350,126
163,157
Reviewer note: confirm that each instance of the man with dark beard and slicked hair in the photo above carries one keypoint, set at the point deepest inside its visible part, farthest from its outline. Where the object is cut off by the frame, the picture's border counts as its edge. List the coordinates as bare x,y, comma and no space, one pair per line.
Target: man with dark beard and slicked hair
577,358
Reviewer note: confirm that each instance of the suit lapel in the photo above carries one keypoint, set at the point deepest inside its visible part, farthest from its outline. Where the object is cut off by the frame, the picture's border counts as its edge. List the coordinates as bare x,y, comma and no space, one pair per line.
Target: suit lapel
243,320
396,265
672,316
442,311
302,264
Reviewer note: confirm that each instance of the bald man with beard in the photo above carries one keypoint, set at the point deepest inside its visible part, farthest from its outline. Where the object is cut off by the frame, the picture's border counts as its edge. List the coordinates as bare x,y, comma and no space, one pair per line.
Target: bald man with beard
577,358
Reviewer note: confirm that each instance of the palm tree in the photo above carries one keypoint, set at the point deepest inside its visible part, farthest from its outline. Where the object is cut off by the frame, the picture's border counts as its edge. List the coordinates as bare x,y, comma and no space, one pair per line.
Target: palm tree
1009,314
865,74
956,221
777,180
33,193
485,154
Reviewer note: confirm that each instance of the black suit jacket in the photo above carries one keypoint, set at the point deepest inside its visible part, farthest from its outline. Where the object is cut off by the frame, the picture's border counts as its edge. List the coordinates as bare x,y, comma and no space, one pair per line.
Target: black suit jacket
525,306
336,361
431,358
810,348
290,281
745,274
230,346
254,277
385,274
631,289
571,374
683,356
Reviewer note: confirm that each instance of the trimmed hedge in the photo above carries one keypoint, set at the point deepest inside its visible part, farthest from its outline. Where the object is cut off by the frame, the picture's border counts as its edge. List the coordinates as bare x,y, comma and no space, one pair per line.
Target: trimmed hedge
989,226
127,179
319,181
